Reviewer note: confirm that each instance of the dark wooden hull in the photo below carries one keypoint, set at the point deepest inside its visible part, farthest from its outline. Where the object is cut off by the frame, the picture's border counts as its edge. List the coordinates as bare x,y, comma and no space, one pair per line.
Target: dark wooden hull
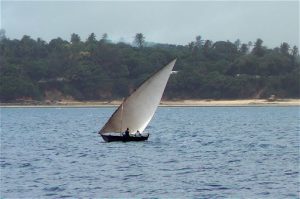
118,138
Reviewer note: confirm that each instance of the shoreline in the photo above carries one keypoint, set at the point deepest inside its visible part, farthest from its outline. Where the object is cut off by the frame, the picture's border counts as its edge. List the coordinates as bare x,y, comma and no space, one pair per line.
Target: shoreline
164,103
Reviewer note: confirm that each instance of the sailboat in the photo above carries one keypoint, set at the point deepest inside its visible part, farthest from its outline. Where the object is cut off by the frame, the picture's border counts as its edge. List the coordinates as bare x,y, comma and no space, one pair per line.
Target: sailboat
137,110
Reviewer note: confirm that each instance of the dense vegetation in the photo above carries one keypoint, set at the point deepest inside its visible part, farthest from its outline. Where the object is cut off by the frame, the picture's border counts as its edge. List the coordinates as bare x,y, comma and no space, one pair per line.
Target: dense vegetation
99,69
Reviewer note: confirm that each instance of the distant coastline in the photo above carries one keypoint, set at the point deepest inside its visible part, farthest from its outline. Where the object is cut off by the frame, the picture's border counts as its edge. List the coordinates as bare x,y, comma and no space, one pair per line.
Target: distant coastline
164,103
99,69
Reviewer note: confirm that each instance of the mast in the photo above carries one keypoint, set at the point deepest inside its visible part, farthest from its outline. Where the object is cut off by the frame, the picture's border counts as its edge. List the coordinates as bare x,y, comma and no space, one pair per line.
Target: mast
122,108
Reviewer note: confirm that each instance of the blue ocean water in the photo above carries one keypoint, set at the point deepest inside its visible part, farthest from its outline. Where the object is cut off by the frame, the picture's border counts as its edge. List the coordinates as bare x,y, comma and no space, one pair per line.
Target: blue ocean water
203,152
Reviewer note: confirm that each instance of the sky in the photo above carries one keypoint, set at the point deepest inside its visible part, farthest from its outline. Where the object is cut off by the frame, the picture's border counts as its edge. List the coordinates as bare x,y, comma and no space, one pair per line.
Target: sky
172,22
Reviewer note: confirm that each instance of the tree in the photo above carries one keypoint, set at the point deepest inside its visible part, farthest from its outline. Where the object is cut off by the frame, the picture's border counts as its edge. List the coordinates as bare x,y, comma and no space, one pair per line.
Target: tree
57,45
2,34
284,48
191,46
104,38
295,54
250,44
139,40
12,88
199,42
295,51
237,43
91,38
258,49
75,39
91,42
244,49
225,50
27,47
207,46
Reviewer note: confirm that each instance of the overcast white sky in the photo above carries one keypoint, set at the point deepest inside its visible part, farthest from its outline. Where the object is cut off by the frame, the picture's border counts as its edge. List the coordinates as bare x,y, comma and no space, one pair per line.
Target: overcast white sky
176,22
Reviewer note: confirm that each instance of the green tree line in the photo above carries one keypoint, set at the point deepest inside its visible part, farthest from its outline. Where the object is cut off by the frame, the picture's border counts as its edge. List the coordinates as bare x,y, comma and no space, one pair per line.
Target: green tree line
102,70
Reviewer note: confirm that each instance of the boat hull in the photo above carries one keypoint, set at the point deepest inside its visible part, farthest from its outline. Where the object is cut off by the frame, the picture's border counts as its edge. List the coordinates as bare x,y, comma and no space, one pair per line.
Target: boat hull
120,138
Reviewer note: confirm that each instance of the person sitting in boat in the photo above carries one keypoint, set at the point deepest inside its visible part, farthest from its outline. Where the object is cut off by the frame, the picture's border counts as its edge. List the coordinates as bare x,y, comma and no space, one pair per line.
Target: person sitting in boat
127,133
138,134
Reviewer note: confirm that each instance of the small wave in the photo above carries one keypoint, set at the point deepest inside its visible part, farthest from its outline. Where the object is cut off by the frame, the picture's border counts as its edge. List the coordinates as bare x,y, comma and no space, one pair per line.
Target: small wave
251,145
50,194
231,161
203,189
207,143
38,179
291,195
247,188
3,165
214,185
264,146
291,173
184,172
54,189
264,193
133,175
66,196
83,155
217,187
25,165
171,161
266,183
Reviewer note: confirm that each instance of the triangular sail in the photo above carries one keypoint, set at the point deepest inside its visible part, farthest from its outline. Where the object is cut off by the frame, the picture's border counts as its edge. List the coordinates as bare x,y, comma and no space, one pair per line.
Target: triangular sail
137,110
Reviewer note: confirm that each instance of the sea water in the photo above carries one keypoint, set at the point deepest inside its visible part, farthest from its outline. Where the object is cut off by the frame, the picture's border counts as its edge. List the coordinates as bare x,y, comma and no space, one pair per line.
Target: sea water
196,152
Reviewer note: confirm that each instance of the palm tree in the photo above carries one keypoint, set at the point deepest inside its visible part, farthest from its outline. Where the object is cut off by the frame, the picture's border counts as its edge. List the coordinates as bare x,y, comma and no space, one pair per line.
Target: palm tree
199,41
284,48
91,38
75,39
104,38
258,49
139,40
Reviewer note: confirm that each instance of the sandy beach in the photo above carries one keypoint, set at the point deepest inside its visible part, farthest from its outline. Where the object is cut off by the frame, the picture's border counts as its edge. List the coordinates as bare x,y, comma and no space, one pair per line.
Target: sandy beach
243,102
169,103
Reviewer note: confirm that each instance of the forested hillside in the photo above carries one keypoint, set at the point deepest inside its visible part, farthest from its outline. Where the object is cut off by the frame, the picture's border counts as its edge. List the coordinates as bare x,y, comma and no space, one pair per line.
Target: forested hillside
102,70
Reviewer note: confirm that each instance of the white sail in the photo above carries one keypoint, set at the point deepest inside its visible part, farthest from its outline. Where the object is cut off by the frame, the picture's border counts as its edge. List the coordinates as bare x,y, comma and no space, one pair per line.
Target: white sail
137,110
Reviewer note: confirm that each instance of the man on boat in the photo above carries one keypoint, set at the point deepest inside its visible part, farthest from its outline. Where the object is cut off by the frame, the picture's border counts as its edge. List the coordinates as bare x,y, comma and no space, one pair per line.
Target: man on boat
127,133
